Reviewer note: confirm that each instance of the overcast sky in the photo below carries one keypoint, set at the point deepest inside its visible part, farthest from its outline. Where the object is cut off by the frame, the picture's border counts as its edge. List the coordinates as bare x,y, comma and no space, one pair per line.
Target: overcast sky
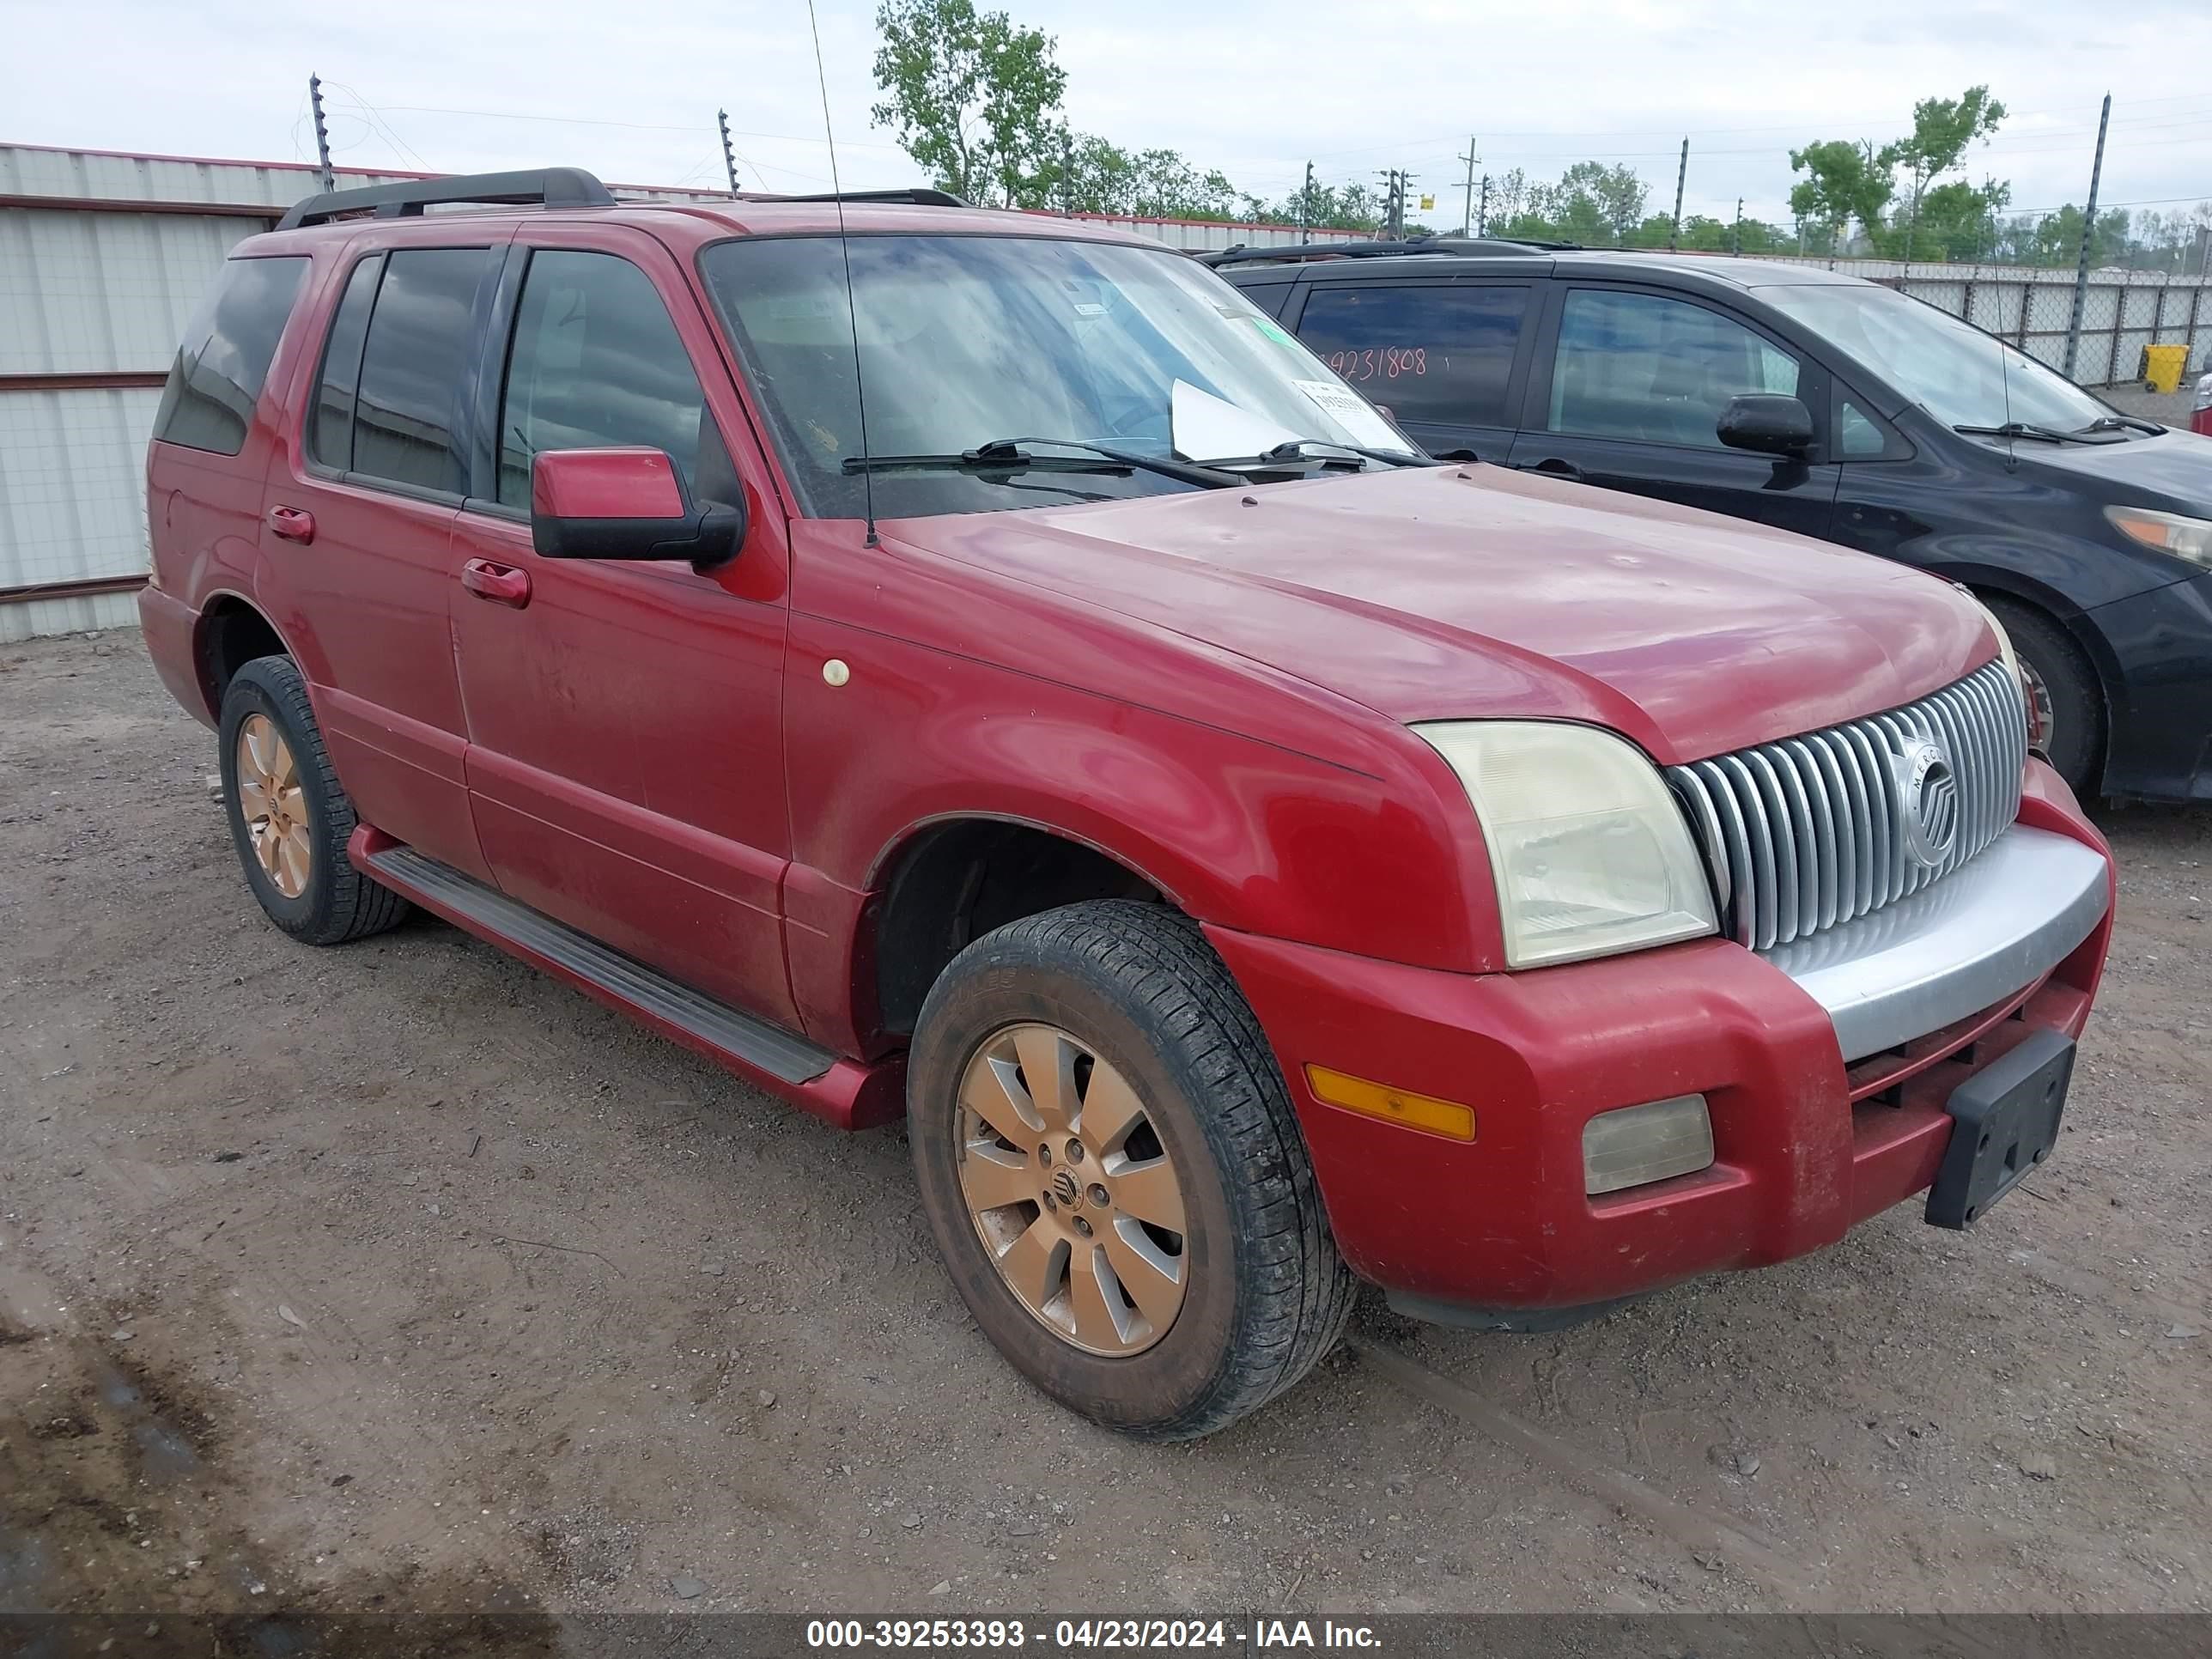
630,90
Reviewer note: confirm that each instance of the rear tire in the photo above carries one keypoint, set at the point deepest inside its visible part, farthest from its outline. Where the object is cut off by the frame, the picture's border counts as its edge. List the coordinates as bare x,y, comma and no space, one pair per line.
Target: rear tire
1129,993
2069,705
289,817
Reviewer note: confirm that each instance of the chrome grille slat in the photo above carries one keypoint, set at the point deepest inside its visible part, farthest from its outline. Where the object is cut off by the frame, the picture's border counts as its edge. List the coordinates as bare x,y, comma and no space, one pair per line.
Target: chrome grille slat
1807,832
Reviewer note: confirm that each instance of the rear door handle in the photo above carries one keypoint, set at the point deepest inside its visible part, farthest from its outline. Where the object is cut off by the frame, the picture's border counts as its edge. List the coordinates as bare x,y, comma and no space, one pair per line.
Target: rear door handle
1556,468
293,524
502,584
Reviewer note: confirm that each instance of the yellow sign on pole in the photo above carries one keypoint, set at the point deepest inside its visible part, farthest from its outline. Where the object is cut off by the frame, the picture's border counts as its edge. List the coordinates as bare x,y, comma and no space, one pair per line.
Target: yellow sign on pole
1428,203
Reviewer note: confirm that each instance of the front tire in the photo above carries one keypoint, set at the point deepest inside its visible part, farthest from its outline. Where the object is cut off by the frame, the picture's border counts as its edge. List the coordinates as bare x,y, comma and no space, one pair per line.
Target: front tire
289,817
2066,707
1112,1170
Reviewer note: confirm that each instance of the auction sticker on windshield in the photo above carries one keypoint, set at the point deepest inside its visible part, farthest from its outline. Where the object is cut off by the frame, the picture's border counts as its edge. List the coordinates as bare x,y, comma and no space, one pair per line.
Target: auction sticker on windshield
1353,412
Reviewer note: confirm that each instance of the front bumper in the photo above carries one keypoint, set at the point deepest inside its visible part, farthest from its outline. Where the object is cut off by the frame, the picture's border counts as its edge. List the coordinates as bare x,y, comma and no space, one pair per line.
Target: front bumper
2160,745
1809,1139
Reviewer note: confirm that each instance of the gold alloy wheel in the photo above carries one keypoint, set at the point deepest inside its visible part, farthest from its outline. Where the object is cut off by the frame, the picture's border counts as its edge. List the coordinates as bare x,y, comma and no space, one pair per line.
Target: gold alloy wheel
274,807
1072,1190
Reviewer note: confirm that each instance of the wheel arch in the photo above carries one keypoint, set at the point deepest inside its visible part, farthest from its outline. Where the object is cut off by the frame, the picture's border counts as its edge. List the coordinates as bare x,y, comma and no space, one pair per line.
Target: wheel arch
948,879
232,631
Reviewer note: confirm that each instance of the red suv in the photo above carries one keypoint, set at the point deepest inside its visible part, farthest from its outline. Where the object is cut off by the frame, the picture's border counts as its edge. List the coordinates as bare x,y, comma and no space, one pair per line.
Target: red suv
978,667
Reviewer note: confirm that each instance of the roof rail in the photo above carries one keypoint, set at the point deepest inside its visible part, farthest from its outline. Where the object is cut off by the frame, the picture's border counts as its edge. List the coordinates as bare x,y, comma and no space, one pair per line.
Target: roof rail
1460,246
550,187
919,196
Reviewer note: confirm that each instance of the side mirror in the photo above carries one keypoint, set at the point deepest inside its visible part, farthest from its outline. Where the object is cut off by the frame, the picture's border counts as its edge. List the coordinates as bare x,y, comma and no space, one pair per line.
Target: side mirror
1767,422
625,504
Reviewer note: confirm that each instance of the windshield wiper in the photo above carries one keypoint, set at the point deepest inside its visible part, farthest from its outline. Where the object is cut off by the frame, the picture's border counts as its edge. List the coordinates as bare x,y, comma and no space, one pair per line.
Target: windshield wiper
1296,446
1003,453
2025,430
2123,424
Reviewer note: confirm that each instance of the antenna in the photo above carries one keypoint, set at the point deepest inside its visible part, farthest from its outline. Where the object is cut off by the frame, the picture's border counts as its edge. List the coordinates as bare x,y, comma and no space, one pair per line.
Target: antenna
851,306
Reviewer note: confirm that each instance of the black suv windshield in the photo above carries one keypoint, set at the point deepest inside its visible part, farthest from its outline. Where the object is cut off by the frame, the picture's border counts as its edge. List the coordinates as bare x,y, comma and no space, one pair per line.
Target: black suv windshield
970,341
1960,375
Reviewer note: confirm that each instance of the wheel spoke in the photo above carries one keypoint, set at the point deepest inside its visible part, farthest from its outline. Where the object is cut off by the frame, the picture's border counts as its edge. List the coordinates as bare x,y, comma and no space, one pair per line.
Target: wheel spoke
285,770
257,734
252,799
292,864
1148,1192
1034,1263
1099,1313
293,800
266,843
993,1177
1152,1277
1049,1068
1111,1109
991,1091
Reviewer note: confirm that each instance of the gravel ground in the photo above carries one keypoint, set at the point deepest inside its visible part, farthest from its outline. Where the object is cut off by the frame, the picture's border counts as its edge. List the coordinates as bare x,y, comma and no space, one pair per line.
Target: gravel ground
398,1274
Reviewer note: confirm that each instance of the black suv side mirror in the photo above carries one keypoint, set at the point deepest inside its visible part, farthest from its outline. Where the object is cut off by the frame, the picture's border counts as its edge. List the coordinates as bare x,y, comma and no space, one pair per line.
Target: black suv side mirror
1768,422
625,504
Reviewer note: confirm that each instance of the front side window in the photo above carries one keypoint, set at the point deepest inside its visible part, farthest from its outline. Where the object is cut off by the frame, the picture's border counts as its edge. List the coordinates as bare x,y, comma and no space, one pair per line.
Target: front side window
596,364
1960,375
216,379
1641,366
968,340
1429,354
415,367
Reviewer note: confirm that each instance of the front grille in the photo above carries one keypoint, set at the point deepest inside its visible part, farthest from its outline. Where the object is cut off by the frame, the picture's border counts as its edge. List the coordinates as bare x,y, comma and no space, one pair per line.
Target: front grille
1810,831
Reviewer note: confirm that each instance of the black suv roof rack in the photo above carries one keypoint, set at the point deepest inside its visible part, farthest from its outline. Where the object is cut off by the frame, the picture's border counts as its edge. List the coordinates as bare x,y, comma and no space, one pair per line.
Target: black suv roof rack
551,187
919,196
1462,246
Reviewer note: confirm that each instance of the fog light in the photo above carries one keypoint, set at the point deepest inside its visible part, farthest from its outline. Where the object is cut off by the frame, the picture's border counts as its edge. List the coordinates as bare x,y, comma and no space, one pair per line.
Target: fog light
1641,1144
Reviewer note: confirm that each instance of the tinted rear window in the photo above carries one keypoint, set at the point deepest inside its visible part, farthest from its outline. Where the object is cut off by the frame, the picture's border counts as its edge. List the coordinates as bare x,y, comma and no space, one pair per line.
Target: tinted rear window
415,365
330,438
217,376
1429,354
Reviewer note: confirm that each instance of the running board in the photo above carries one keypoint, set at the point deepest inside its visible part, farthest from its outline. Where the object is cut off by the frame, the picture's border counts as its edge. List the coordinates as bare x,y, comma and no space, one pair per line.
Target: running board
668,1003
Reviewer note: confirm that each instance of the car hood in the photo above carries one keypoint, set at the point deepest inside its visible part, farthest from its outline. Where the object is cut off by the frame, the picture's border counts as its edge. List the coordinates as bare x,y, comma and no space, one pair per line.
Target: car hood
2175,467
1441,593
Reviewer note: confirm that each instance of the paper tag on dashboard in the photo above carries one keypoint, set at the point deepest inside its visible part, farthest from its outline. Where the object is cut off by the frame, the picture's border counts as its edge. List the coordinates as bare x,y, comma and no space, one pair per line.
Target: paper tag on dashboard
1353,412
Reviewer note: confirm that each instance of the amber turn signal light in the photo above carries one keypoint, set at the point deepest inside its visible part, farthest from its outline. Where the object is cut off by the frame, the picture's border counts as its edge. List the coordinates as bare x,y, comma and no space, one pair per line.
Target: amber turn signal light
1423,1112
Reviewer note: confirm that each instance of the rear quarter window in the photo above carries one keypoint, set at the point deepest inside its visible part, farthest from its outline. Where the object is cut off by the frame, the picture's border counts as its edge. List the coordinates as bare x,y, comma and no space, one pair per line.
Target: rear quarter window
216,379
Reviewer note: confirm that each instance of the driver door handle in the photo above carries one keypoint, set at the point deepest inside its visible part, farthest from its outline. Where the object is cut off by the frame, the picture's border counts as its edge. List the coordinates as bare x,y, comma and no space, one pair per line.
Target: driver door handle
1556,468
502,584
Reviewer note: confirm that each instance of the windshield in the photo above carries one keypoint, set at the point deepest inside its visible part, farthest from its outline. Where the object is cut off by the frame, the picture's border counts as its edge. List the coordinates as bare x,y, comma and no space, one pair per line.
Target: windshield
1960,375
966,340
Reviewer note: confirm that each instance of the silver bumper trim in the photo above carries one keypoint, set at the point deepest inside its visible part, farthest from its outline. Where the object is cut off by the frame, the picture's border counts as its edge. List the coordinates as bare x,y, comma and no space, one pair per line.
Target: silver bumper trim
2008,915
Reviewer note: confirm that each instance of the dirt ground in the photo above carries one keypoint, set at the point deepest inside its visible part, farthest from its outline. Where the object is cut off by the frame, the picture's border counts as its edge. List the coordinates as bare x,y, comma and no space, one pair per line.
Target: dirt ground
399,1275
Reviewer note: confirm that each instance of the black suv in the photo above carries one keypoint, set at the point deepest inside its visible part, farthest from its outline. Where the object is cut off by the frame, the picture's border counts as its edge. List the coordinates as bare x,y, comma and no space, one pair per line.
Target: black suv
1824,405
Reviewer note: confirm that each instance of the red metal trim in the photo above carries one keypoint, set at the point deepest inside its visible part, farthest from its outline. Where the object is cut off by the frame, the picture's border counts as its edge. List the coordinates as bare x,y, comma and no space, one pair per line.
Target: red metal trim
83,587
84,380
114,204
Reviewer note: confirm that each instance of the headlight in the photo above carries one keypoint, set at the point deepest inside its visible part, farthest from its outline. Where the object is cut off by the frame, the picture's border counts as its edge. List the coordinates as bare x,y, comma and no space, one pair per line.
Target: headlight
1590,853
2169,532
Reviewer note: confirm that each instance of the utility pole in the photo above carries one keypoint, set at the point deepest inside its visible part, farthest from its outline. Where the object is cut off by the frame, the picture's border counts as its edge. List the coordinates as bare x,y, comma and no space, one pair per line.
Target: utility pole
2088,235
1467,210
1682,174
322,134
729,154
1482,220
1305,204
1735,236
1067,173
1394,202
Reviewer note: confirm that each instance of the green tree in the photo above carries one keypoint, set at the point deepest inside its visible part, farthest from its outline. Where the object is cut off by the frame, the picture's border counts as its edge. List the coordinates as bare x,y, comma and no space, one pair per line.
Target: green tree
1844,181
1942,129
967,92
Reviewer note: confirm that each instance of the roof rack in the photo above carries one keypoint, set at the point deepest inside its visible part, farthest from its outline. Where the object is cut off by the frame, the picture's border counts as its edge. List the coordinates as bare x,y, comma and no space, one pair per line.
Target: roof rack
920,196
550,187
1460,246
